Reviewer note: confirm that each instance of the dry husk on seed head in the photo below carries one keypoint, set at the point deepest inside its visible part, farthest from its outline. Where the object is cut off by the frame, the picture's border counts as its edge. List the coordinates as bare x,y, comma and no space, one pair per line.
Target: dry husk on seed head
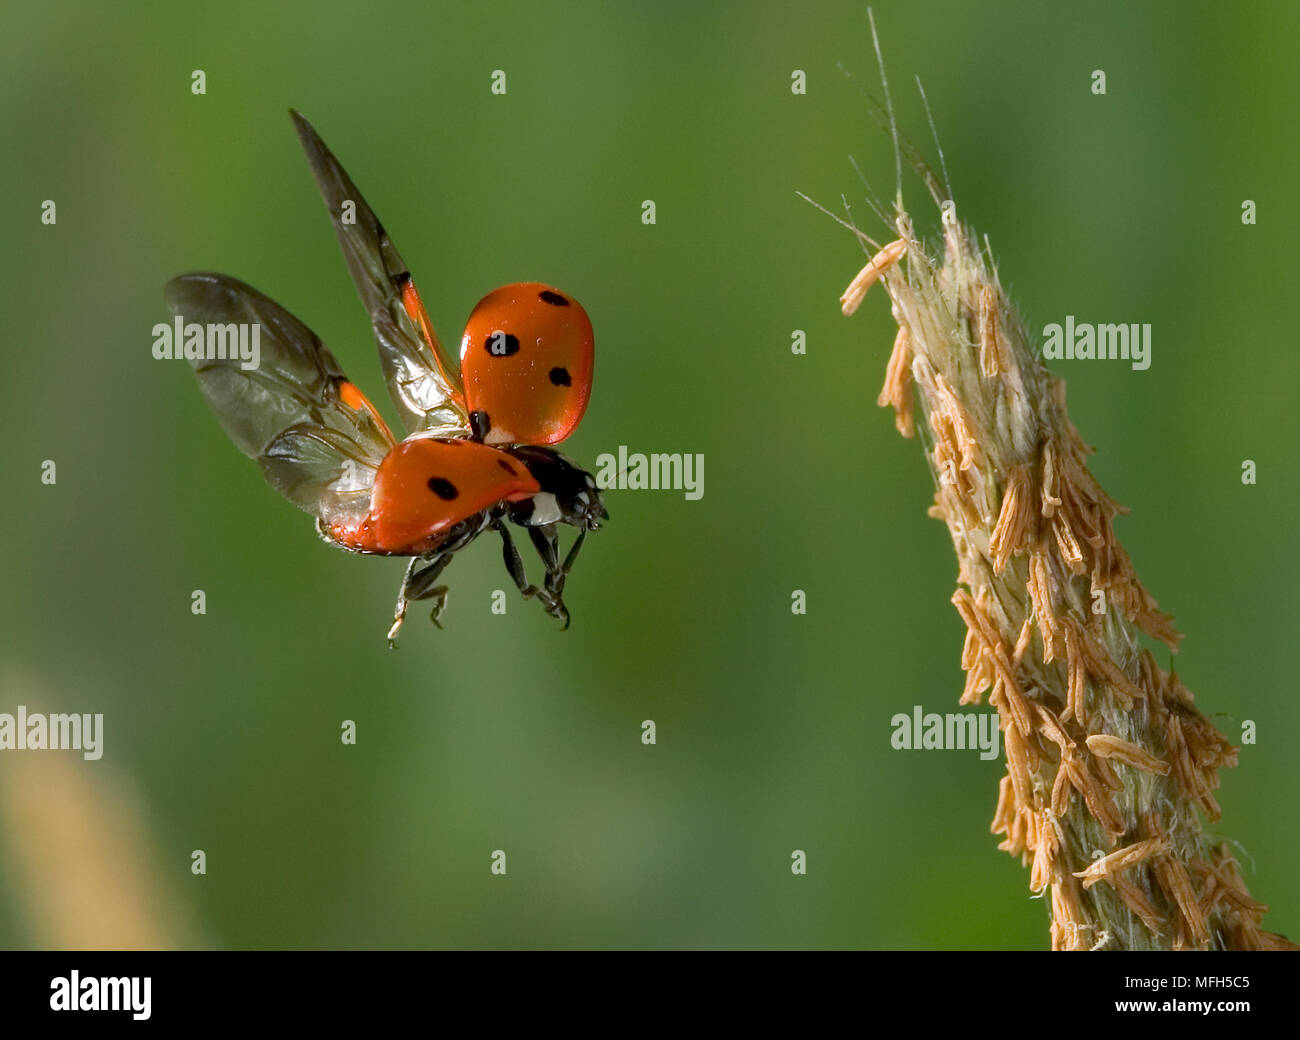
1110,766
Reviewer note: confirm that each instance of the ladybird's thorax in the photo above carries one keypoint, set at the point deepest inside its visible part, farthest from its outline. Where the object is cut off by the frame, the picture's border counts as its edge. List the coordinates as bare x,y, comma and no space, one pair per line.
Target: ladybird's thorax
568,493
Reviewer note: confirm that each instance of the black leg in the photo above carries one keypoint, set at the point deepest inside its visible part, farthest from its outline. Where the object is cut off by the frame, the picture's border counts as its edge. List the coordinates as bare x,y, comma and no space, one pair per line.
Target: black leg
555,579
399,612
421,587
417,585
573,555
547,544
514,564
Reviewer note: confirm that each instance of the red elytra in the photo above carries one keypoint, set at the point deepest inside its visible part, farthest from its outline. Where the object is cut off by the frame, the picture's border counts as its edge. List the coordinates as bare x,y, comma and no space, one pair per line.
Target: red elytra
526,360
426,486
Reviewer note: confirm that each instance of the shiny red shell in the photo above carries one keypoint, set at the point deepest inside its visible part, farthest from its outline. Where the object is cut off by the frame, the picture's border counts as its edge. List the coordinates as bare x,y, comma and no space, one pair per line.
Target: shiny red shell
526,362
426,486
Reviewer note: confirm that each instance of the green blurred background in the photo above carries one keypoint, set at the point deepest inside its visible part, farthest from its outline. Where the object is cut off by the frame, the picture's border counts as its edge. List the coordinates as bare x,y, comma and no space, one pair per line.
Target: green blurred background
222,731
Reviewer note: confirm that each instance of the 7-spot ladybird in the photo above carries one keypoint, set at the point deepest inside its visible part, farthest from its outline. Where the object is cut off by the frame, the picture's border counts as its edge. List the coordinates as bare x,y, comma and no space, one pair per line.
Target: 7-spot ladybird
478,451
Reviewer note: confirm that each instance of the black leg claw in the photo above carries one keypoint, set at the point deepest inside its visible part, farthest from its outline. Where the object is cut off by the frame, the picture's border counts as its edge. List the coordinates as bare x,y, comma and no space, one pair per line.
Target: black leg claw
439,597
553,603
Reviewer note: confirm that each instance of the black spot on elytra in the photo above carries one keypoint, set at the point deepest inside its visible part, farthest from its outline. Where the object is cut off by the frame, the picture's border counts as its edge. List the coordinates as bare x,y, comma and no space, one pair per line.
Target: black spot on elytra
560,377
553,298
507,467
501,344
400,280
479,423
443,488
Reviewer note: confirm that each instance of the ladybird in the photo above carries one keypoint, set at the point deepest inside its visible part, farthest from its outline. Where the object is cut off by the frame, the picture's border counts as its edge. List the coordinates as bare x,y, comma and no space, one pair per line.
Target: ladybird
478,453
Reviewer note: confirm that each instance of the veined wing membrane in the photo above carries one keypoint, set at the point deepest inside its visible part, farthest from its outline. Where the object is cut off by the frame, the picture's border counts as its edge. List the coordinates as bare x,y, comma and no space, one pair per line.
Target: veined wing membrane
318,440
421,383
